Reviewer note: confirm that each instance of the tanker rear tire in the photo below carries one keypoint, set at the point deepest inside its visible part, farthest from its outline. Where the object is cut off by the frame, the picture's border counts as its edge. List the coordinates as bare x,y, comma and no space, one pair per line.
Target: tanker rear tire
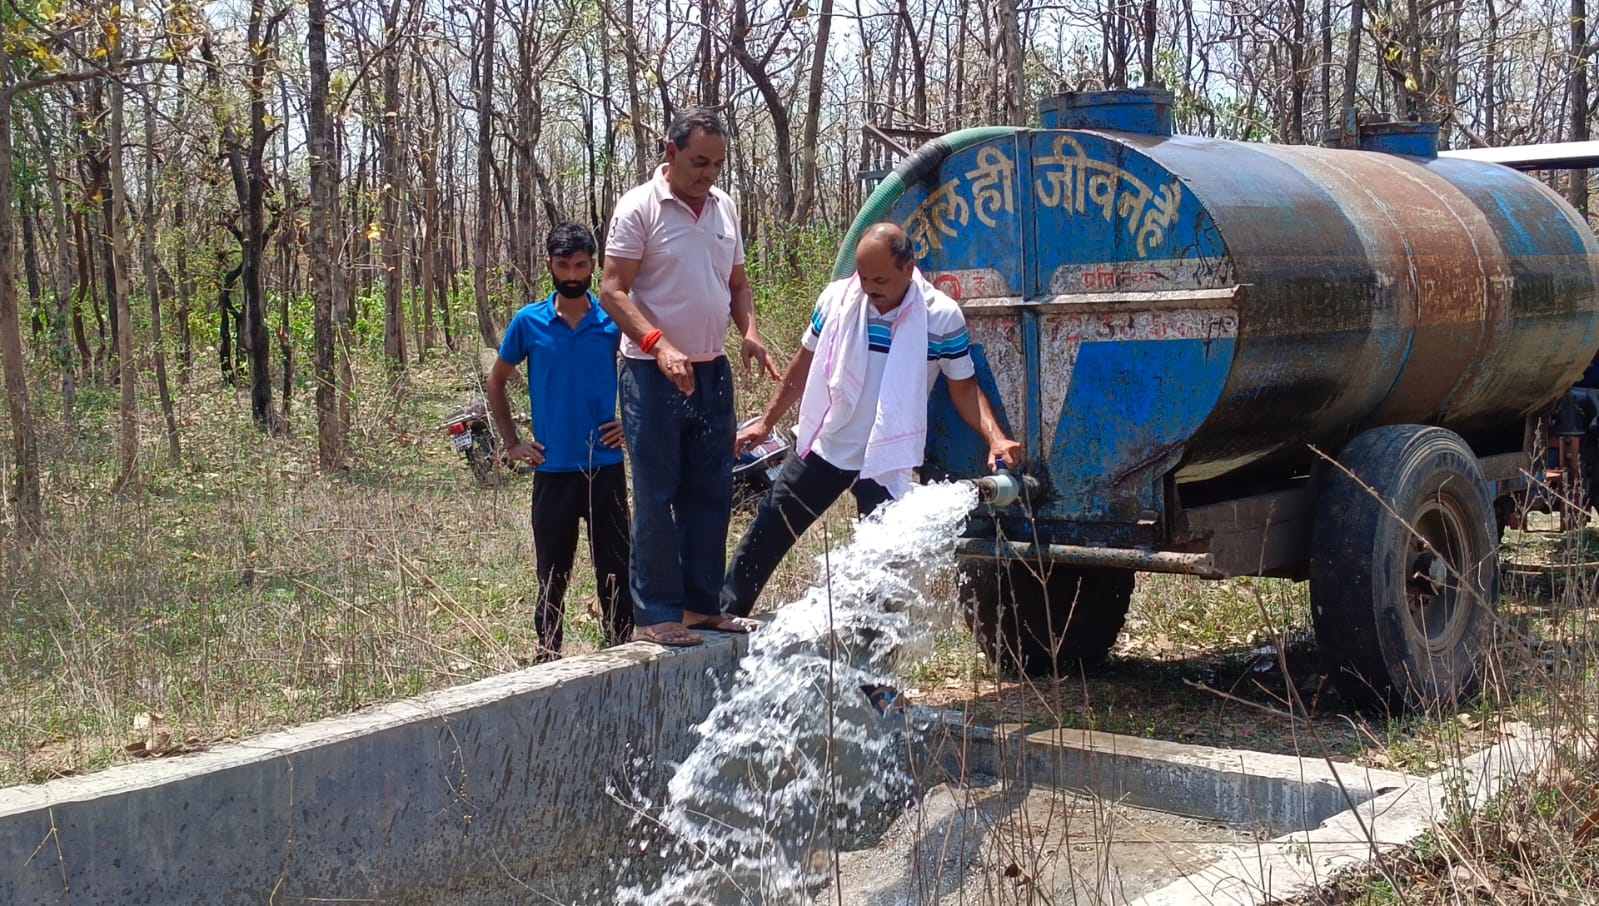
1403,618
1043,620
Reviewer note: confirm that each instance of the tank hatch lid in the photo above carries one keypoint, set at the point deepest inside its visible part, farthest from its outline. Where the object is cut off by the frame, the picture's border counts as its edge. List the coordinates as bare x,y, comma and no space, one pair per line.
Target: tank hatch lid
1143,111
1402,137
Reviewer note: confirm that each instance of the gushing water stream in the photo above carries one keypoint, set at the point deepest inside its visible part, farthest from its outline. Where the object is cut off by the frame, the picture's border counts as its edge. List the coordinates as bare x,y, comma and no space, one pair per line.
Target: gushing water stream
795,757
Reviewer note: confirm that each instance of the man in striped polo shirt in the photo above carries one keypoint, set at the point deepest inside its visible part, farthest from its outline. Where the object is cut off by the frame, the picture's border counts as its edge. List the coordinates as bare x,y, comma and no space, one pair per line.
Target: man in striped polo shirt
863,412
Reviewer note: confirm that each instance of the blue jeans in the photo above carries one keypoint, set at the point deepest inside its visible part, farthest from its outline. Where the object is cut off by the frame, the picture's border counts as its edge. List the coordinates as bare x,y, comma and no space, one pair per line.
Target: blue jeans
682,453
804,490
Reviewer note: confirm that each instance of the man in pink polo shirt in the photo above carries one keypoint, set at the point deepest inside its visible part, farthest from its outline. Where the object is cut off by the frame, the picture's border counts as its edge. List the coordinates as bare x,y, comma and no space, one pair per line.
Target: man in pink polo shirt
674,280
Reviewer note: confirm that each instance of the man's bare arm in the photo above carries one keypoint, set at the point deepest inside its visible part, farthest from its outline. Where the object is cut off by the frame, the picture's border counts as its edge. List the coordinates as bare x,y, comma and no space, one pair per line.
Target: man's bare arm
972,404
788,392
500,411
751,347
615,287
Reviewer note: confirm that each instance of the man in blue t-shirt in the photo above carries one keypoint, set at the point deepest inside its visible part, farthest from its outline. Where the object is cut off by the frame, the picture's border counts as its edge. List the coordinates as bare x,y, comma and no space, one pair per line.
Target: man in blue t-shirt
570,347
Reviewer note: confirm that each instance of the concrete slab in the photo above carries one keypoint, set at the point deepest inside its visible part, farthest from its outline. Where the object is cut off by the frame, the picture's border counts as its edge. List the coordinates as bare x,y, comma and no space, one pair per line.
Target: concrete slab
1276,793
999,843
1295,864
988,842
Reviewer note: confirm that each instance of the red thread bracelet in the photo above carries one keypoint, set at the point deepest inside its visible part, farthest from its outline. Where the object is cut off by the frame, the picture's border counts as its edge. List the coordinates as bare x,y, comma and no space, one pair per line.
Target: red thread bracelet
650,339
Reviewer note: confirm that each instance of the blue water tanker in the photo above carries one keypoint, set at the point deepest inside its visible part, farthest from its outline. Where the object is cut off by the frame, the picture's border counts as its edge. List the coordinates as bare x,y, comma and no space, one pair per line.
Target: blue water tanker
1230,359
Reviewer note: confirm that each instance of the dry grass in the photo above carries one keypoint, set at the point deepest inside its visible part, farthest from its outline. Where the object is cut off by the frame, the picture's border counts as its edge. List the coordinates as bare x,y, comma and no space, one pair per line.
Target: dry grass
1538,842
244,589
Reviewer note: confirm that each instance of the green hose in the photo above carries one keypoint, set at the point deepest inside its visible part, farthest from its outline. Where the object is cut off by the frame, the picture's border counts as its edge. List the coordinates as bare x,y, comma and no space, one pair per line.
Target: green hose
926,159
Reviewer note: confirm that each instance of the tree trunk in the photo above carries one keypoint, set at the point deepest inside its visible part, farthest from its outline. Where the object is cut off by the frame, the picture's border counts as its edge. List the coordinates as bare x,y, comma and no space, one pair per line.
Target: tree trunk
1490,75
185,287
485,164
320,258
393,239
806,202
128,372
918,65
260,36
644,153
24,484
288,238
85,286
99,153
1015,86
185,295
227,316
39,317
428,241
1579,98
1149,41
1352,56
152,282
450,242
64,285
1297,75
776,108
1325,84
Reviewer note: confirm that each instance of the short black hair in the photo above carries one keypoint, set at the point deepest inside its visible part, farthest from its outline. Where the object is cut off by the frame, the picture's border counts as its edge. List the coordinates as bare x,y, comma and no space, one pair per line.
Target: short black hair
568,239
701,118
902,249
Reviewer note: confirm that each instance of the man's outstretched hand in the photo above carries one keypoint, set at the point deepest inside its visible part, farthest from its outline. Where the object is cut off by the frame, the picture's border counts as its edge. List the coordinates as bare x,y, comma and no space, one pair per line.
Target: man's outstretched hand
753,350
1003,449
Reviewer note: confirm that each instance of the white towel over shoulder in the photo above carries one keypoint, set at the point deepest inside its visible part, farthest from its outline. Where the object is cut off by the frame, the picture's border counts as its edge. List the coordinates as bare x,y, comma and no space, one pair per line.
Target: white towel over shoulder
835,384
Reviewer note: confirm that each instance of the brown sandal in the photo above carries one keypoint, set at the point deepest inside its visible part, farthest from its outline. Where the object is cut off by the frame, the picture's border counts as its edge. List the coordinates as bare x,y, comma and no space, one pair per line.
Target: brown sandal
722,622
671,635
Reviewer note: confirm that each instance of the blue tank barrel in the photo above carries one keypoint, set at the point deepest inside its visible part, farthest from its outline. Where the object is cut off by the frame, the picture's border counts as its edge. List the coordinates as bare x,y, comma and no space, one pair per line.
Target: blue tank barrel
1148,307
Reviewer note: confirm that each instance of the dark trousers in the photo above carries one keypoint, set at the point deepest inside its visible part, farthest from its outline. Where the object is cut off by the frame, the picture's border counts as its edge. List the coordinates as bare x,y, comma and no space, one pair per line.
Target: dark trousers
599,498
804,490
681,448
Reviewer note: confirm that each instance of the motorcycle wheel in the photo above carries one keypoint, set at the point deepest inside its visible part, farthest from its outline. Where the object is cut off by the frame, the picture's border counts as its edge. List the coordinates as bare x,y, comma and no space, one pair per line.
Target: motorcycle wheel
481,457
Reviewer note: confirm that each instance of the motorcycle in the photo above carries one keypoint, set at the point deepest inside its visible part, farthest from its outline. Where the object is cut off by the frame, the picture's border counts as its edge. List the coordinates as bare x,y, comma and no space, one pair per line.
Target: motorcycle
472,435
756,469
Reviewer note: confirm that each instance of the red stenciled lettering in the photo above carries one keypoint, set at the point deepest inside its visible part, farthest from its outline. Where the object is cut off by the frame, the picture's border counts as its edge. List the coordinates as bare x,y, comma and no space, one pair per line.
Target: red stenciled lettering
949,285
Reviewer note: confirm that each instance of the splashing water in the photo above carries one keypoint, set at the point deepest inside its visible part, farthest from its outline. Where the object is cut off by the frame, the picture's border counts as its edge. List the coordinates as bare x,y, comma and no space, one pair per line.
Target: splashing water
795,756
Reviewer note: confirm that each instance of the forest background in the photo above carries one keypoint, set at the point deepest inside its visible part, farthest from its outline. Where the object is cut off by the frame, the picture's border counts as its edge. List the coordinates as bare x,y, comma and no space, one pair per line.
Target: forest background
251,252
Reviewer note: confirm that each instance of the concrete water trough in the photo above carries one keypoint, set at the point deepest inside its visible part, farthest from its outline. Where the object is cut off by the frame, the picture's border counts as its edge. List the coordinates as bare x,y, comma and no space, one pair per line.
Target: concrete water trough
522,789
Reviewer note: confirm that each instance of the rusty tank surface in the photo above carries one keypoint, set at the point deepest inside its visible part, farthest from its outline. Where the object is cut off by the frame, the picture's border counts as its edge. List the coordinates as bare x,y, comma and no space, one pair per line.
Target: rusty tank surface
1185,332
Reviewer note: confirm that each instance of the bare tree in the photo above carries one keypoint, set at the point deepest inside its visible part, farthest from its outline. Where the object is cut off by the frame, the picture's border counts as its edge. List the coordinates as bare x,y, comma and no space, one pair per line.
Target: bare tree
758,71
152,281
394,181
117,266
1580,111
1352,53
487,332
813,113
324,176
24,485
